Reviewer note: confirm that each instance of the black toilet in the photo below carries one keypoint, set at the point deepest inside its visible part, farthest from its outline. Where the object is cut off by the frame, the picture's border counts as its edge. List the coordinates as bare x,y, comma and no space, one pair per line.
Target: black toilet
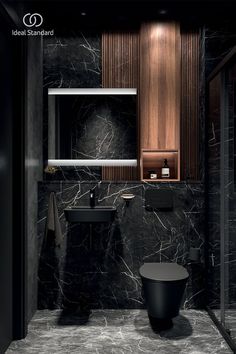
163,285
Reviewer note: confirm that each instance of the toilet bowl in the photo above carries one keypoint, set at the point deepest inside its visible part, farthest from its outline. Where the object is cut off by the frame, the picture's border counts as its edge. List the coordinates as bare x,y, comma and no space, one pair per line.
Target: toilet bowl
163,286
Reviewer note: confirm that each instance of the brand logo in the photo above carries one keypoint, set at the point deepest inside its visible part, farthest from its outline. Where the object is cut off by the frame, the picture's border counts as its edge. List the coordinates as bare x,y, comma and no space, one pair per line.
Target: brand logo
31,20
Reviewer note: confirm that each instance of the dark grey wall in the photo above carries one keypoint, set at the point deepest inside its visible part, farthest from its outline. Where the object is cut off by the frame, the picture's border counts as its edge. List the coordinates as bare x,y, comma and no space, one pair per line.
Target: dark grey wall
33,161
6,181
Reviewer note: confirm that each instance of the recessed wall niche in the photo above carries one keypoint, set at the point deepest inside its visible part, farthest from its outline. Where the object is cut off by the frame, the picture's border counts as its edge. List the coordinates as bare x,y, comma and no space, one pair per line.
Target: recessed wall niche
92,127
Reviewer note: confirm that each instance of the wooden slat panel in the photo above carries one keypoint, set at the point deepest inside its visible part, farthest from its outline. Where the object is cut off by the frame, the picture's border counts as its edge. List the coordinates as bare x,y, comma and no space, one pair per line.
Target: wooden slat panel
190,41
119,173
120,59
120,69
160,85
168,75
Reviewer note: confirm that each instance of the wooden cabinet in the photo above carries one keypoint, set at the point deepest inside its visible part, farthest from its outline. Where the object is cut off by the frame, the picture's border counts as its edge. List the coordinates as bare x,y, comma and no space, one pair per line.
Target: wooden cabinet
162,62
160,96
160,85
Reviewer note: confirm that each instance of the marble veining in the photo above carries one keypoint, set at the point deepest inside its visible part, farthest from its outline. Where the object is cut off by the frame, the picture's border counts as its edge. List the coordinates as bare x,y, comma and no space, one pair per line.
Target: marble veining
72,60
119,331
103,271
214,196
100,127
219,40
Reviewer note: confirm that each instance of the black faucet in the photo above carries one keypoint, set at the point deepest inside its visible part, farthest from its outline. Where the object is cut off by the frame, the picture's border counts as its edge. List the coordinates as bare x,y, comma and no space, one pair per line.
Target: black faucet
92,195
92,198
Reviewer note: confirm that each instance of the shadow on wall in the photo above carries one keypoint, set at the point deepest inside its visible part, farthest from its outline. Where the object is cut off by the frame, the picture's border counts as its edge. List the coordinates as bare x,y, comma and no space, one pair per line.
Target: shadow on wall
48,273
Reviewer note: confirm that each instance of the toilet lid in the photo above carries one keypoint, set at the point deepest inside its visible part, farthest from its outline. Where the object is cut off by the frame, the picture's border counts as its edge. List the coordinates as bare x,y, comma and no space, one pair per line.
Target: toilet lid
163,271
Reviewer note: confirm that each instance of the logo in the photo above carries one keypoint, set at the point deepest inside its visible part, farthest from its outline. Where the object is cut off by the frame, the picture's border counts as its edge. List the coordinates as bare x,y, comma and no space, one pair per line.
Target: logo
31,20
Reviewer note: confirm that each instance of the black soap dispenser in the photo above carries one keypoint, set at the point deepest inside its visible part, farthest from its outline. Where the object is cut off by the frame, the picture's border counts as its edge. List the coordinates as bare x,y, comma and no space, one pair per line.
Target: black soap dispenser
165,171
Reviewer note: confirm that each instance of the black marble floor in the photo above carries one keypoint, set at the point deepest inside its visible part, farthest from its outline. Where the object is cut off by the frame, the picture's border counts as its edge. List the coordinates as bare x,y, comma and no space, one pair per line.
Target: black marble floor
119,331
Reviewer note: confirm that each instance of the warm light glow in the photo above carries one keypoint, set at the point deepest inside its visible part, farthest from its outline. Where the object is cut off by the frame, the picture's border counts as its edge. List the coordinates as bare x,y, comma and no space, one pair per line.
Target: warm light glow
157,31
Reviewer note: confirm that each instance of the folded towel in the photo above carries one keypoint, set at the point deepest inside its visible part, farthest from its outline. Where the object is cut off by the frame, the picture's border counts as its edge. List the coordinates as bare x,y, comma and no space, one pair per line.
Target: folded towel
53,222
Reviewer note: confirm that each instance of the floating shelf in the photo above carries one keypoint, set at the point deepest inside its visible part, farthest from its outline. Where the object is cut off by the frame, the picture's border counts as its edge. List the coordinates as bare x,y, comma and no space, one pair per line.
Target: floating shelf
153,160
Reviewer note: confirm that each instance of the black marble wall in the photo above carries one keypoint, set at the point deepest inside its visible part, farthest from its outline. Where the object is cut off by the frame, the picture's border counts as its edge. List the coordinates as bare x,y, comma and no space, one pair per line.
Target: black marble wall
102,271
106,127
98,127
213,191
70,60
219,40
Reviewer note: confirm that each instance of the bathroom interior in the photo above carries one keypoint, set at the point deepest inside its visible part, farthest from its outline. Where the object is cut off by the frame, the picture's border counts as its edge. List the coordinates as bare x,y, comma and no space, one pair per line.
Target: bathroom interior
118,177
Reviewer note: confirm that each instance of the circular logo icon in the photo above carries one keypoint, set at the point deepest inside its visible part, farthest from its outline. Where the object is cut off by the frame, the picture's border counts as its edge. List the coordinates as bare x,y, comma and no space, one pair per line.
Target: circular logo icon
31,20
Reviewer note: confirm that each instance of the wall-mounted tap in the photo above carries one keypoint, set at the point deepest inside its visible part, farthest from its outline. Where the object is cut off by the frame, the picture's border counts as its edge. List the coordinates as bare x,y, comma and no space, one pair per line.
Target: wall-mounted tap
92,198
92,195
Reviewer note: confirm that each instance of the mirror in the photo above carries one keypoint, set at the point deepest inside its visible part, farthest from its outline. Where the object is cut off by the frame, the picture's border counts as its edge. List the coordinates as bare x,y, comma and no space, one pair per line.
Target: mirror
92,124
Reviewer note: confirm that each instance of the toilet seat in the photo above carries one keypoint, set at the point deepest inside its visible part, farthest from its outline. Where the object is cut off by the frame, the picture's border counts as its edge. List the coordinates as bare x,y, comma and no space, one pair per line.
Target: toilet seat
163,272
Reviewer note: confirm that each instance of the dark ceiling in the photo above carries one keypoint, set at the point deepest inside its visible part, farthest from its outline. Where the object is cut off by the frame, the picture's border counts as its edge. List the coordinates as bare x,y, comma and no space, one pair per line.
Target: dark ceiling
106,14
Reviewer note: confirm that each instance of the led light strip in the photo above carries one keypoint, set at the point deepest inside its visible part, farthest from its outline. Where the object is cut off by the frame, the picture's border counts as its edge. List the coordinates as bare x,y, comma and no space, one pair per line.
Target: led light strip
92,162
92,91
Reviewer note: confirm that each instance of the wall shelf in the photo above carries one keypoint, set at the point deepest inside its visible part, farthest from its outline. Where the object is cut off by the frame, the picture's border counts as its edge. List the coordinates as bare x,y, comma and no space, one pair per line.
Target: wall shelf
152,159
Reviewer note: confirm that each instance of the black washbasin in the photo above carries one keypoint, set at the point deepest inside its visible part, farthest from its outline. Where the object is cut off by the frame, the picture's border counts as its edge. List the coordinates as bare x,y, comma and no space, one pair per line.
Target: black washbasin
87,214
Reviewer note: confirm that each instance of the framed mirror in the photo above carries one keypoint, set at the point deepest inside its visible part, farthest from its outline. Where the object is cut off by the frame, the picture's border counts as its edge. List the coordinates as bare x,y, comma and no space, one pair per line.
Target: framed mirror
88,125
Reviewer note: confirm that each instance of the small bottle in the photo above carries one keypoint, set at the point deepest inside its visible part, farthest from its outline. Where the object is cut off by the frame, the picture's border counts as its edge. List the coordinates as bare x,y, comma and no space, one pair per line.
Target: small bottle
152,174
165,171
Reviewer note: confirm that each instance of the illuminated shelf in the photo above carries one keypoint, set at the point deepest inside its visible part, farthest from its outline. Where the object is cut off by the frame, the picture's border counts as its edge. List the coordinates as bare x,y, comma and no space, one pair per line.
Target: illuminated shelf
153,160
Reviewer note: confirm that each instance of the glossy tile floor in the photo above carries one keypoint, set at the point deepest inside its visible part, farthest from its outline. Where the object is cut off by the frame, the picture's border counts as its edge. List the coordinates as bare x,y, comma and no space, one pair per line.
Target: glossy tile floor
230,320
119,331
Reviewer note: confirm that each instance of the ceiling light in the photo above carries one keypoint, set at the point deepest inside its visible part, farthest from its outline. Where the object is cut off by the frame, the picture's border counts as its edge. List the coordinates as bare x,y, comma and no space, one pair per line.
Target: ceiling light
162,12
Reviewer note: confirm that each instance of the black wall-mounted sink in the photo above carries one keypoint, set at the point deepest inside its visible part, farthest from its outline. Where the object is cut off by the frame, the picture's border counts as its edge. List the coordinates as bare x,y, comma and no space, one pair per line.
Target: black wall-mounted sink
87,214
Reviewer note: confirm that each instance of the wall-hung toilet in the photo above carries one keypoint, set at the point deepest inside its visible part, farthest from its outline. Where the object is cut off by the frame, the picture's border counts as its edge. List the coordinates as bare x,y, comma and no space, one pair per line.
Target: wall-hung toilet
163,285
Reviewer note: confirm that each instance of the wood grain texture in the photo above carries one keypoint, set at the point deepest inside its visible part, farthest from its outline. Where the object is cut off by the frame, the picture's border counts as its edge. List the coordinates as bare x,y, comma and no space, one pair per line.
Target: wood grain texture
119,173
120,59
120,69
190,44
160,85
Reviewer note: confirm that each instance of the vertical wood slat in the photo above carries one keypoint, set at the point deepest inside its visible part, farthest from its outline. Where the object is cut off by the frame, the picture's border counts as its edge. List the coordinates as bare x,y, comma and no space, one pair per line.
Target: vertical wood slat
120,59
120,69
119,173
190,47
160,48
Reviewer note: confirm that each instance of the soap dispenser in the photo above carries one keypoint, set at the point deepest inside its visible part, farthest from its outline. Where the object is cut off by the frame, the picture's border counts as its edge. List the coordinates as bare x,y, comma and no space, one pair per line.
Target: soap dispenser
165,171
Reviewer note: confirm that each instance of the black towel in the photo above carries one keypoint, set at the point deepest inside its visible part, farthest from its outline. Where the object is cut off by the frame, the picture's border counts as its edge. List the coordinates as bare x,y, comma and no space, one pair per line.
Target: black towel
53,225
